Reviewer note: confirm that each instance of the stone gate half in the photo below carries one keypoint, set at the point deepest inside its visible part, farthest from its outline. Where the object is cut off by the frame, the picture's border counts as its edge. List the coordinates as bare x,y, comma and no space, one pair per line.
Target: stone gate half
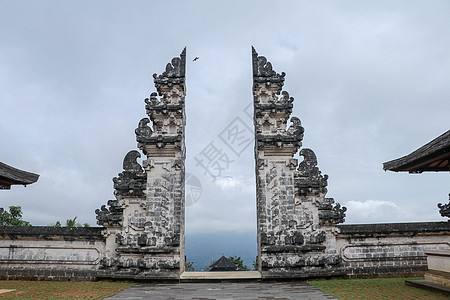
296,223
145,224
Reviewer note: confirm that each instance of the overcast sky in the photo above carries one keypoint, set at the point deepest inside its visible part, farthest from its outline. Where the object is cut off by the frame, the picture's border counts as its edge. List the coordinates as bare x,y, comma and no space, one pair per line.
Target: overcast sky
370,81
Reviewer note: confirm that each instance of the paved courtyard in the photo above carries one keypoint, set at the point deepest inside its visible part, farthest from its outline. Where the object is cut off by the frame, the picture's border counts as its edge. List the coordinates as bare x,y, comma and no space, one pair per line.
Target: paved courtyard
207,291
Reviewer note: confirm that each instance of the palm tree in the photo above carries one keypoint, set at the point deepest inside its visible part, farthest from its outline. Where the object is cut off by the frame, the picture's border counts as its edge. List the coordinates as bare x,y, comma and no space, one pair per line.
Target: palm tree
71,222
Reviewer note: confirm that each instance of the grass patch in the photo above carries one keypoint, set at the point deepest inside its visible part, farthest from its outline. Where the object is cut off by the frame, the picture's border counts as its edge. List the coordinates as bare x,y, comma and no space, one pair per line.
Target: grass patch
378,288
62,290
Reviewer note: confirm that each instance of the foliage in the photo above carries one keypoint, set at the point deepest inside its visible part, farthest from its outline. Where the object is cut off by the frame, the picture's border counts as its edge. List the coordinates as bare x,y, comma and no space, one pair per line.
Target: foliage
71,223
13,217
377,288
189,267
239,263
255,266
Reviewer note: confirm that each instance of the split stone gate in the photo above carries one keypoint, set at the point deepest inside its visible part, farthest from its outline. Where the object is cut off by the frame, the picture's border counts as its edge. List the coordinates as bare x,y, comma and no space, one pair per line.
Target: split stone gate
145,224
142,233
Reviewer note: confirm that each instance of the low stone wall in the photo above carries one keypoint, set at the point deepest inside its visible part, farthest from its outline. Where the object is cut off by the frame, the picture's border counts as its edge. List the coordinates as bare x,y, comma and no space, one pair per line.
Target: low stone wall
396,249
50,253
367,250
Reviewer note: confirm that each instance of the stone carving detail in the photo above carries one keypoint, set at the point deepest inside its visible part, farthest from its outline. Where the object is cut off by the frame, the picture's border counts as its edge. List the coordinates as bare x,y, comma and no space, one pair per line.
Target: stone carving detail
175,72
132,181
149,241
296,223
166,113
329,214
110,216
263,72
308,178
444,209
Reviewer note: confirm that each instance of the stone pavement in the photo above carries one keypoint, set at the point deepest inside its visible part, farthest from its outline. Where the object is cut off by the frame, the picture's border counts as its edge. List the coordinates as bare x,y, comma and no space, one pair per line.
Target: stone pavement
224,290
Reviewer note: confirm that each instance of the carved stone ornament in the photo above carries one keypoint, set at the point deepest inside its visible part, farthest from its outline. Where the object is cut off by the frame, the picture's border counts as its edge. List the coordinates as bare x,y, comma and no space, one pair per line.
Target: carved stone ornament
329,214
111,215
263,72
132,181
292,136
444,209
308,178
155,105
284,103
174,73
145,135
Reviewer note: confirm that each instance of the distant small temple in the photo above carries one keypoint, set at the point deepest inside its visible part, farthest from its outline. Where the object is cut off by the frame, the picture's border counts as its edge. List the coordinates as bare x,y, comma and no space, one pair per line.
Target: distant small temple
223,264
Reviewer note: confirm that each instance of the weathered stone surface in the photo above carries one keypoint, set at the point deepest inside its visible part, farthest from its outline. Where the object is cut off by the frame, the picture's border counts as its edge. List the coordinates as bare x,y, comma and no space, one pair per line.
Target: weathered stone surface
149,241
295,221
50,253
393,249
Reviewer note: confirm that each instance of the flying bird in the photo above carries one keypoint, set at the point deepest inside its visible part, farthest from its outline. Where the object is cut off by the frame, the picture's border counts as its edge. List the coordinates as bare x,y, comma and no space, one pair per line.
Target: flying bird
196,58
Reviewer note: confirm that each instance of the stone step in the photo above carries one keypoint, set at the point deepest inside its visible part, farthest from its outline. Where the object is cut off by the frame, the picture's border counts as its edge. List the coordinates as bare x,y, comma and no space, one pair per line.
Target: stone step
229,275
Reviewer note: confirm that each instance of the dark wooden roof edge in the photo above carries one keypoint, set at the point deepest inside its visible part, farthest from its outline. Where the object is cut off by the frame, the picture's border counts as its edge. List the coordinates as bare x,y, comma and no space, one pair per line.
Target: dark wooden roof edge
223,262
16,176
439,144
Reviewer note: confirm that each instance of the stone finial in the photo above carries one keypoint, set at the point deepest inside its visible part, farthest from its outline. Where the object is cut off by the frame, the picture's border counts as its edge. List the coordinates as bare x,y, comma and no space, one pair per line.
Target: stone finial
111,215
143,131
329,214
308,178
175,71
296,130
263,71
444,209
132,181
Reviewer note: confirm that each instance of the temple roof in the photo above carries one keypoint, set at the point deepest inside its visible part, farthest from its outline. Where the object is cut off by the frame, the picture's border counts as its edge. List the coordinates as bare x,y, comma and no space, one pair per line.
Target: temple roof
433,156
11,176
223,264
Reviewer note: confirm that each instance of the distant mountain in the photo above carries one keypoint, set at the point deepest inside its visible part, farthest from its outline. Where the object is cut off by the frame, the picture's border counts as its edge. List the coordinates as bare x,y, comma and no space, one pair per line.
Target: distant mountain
204,248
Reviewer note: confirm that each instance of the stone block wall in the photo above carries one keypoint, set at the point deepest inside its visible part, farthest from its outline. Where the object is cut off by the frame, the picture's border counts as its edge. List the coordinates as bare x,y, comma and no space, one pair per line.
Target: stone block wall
50,253
395,249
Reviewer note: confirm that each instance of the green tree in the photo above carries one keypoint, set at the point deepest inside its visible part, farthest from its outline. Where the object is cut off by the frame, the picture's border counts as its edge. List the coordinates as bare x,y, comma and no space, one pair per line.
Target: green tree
71,223
189,267
13,217
239,263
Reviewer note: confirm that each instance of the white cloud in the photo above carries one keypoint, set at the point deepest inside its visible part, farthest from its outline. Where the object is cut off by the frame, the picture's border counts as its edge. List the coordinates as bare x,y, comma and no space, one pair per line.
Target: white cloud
370,211
246,185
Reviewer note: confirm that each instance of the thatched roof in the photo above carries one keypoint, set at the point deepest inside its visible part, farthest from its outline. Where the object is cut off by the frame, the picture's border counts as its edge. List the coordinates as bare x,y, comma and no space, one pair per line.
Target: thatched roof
11,176
434,156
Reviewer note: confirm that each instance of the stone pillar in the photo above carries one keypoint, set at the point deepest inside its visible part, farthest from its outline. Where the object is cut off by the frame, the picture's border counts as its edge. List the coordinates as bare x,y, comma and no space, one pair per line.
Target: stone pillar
145,225
296,223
